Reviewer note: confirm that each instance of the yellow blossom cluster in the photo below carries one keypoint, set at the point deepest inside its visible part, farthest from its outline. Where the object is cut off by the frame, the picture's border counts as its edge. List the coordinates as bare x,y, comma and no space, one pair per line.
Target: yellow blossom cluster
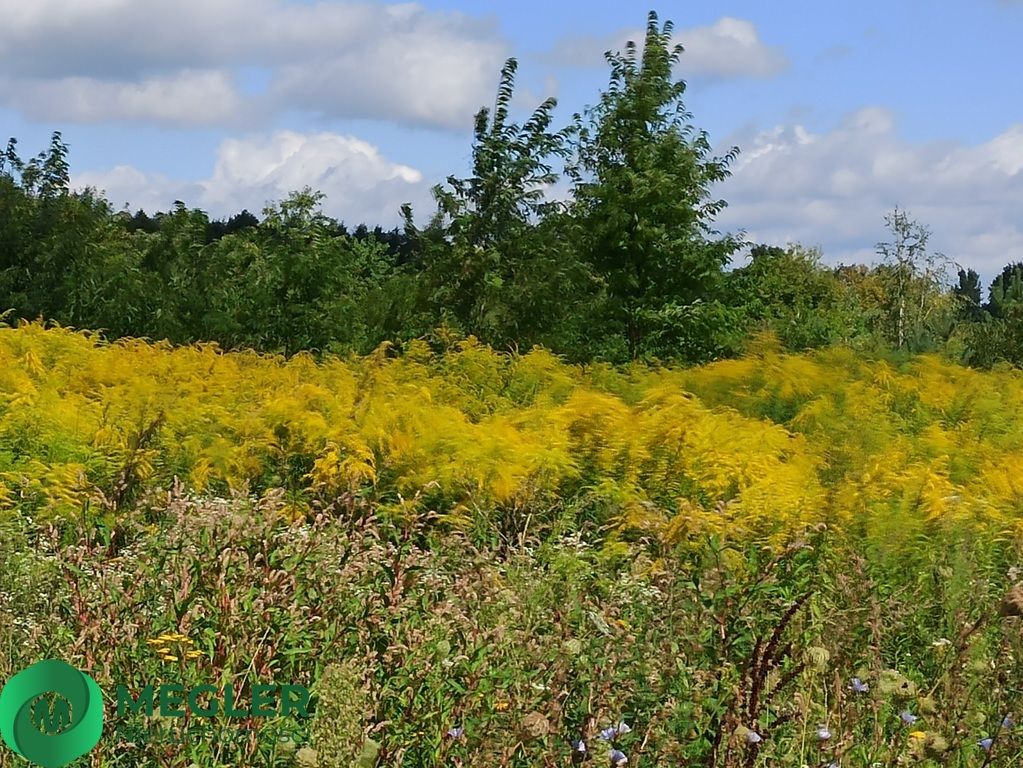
173,647
758,445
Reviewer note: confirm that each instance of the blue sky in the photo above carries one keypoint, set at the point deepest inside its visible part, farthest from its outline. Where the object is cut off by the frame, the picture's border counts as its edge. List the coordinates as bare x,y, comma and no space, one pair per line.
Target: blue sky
841,110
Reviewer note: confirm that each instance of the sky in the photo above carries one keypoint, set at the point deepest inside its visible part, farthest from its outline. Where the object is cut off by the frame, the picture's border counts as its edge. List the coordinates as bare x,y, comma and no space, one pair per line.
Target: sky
841,111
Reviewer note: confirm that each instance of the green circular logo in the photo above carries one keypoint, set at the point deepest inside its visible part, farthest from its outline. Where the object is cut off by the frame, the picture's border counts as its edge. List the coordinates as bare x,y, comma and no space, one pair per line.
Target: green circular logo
51,713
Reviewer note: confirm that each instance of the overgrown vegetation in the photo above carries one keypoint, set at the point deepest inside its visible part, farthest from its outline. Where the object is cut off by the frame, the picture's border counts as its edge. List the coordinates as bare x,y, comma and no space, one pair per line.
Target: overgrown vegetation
424,649
624,265
537,482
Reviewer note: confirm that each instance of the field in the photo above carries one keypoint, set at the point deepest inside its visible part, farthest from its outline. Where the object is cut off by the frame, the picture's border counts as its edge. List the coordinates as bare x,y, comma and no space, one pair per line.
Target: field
481,559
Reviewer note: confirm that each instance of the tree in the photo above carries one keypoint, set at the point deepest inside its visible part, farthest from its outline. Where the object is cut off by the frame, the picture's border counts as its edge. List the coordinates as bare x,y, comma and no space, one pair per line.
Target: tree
1006,290
967,291
916,282
482,256
789,291
642,176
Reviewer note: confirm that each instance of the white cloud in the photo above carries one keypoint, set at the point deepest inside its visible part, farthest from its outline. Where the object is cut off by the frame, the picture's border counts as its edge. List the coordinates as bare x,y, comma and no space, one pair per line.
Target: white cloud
833,189
185,98
359,183
338,58
428,79
729,48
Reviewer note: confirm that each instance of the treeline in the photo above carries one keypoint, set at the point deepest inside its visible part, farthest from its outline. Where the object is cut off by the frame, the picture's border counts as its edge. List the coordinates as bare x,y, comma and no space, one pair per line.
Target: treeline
626,266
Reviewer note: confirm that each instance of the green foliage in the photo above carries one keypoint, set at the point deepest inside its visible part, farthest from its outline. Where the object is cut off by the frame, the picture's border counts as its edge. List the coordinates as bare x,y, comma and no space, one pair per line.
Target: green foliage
917,307
642,176
496,272
422,649
1006,291
968,293
628,267
789,291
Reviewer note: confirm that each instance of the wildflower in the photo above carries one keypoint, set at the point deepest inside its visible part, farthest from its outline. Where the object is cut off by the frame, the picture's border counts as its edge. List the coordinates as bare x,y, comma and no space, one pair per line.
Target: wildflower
908,717
1008,722
612,733
918,735
823,733
858,686
986,743
501,705
618,757
579,746
456,732
752,737
169,657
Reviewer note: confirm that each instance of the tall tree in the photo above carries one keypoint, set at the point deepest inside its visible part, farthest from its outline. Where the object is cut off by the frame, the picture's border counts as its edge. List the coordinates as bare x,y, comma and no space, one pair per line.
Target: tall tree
490,257
1006,290
916,283
642,197
967,291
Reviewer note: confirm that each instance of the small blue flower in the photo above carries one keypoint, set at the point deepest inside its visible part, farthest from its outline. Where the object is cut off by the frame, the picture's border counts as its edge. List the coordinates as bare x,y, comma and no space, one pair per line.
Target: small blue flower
618,757
752,737
1008,722
858,686
985,744
457,732
823,733
612,733
908,717
579,746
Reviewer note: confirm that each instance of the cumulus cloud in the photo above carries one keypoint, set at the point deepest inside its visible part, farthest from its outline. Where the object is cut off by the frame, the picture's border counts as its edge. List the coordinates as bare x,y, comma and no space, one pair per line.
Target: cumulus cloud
360,184
185,98
728,48
833,189
339,58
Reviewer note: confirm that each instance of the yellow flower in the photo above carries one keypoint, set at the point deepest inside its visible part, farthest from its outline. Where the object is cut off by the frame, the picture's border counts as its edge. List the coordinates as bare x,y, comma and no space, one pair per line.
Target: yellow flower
501,705
169,657
918,735
193,654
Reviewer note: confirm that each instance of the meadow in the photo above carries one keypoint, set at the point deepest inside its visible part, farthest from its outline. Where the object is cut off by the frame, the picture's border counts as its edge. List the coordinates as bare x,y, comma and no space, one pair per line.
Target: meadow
478,558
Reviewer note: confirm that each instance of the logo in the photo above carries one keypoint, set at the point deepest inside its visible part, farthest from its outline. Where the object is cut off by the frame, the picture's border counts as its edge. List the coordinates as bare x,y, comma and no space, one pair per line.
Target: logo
51,713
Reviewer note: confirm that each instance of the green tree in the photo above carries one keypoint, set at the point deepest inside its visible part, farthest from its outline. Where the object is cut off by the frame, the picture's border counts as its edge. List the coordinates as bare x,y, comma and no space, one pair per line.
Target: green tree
292,284
642,178
790,291
1006,290
967,291
486,267
918,306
